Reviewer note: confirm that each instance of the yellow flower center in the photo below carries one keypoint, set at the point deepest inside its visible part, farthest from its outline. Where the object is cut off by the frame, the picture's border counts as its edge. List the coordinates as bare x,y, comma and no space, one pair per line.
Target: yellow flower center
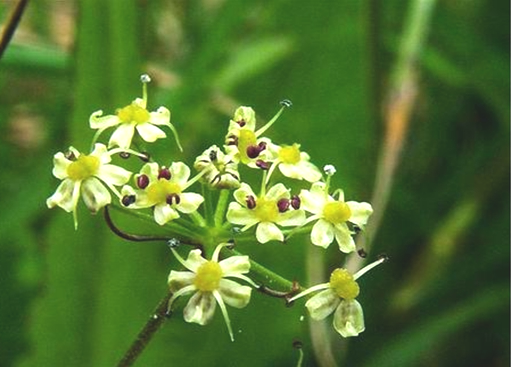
208,276
266,210
337,212
84,167
290,154
133,113
343,283
159,190
246,139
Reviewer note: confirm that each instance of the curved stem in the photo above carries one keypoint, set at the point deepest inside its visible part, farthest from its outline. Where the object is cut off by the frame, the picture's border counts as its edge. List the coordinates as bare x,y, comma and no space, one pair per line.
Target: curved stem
12,24
154,323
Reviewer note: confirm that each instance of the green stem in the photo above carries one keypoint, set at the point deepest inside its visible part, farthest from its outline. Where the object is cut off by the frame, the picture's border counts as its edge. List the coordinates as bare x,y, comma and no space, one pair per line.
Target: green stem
220,210
198,219
207,194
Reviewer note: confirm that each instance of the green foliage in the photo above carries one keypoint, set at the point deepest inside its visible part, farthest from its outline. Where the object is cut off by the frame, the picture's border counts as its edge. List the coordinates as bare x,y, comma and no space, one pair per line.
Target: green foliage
79,297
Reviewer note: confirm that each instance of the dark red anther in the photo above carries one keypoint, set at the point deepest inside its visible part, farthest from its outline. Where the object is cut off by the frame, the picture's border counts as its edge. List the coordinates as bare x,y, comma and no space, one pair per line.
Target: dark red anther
241,123
253,151
142,181
128,200
164,173
262,164
295,202
173,199
232,140
283,205
250,201
362,253
262,145
70,156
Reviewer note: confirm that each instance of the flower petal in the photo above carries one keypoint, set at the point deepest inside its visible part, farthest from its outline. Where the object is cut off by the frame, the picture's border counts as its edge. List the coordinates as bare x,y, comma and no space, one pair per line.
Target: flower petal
162,116
344,238
151,170
100,151
149,133
235,265
122,136
96,121
94,194
276,192
60,166
360,212
239,215
180,279
267,231
189,202
322,233
194,260
242,193
164,213
180,173
322,304
313,201
291,218
234,294
349,318
113,174
200,308
63,196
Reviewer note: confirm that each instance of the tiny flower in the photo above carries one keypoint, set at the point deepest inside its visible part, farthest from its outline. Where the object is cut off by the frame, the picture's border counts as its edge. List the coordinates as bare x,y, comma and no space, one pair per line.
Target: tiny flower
267,211
133,117
83,175
332,216
221,169
338,296
163,189
243,141
293,163
207,279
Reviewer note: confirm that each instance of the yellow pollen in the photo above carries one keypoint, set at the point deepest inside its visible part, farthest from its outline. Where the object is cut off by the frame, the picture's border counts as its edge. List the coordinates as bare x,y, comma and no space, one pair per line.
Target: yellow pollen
246,139
84,167
337,212
343,283
266,210
159,190
290,154
208,276
133,113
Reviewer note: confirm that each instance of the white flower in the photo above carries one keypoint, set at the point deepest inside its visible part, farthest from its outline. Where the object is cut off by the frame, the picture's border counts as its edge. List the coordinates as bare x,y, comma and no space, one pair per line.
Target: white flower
332,216
133,117
82,174
221,170
293,163
163,188
207,279
268,211
338,296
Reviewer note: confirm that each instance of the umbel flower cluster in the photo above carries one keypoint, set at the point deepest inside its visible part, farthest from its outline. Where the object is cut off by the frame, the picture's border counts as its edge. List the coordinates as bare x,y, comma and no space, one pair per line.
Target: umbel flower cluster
213,209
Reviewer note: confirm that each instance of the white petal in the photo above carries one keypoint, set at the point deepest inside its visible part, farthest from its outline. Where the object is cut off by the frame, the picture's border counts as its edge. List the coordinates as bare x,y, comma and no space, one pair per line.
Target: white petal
60,166
322,233
122,136
189,202
310,172
163,213
235,265
313,201
291,218
94,194
242,193
322,304
63,196
291,170
100,152
234,294
240,215
276,192
180,279
149,133
360,212
200,308
349,318
267,231
180,173
344,239
113,174
194,260
162,116
150,170
98,122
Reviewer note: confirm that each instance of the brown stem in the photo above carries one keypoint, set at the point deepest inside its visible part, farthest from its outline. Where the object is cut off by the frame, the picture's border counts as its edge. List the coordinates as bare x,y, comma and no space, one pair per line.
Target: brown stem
278,294
146,334
12,24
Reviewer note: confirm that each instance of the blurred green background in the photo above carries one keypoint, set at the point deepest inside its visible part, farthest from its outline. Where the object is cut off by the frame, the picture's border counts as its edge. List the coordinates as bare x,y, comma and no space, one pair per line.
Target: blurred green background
78,298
